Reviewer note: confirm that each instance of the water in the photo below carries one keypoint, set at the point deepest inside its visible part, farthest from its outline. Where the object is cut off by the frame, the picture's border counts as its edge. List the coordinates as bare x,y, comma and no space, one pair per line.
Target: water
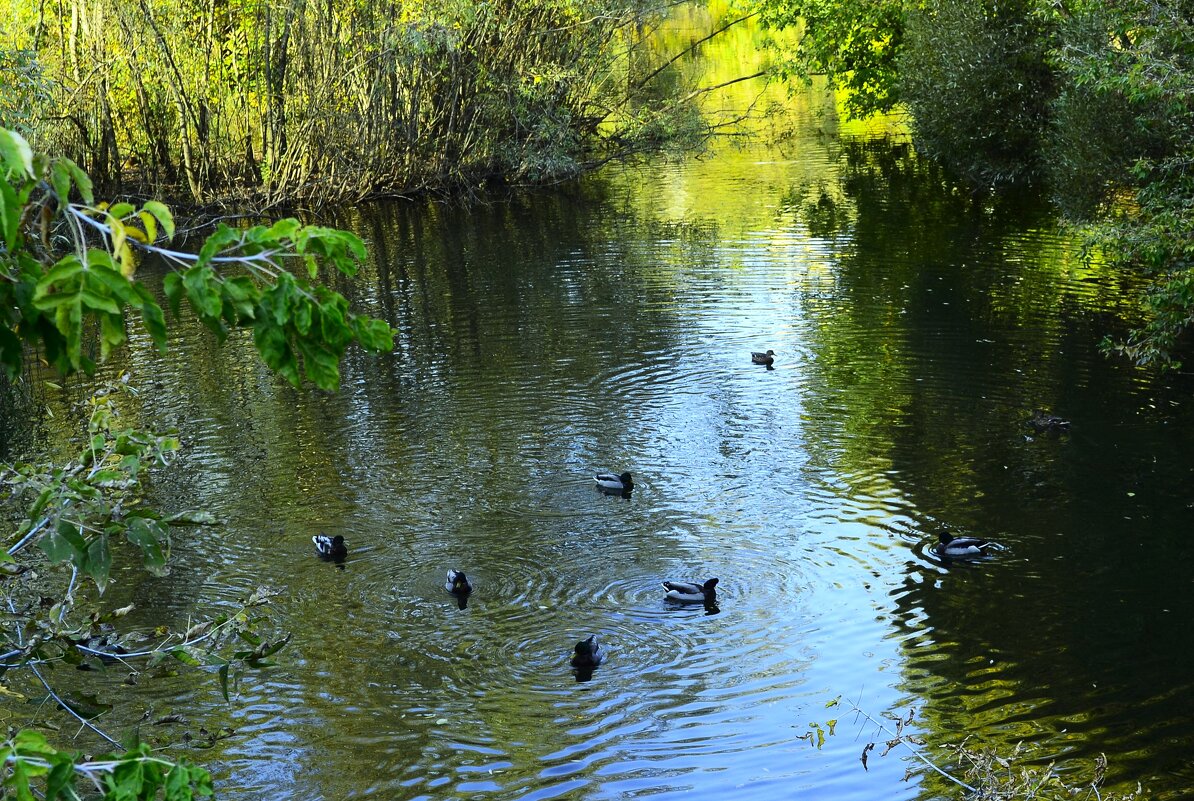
609,327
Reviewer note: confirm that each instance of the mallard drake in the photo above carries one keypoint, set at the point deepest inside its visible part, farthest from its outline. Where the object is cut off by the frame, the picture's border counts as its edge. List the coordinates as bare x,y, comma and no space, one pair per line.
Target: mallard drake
587,654
763,358
963,547
614,483
330,547
1042,423
692,593
457,583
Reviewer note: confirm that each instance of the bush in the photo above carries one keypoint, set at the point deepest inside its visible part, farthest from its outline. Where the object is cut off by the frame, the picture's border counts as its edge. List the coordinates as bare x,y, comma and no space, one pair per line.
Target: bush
975,77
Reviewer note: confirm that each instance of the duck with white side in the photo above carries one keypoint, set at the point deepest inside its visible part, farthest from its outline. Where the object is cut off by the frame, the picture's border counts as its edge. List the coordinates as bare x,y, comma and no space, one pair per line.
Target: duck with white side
688,592
611,482
964,547
330,547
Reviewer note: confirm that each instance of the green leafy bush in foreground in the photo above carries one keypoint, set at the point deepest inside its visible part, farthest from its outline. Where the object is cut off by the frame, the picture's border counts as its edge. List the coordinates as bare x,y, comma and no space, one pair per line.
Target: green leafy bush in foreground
237,280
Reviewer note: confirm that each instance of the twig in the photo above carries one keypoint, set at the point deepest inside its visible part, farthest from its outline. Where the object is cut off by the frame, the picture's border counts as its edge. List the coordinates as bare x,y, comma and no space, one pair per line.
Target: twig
54,695
915,751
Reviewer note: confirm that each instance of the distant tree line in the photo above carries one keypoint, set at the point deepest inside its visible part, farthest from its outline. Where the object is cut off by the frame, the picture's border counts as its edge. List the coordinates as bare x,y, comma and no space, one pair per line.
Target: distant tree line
1093,100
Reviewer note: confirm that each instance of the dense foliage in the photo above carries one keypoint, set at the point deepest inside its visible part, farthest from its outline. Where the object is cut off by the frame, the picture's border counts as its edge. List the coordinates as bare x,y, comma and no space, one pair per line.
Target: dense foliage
1093,100
326,100
50,299
854,43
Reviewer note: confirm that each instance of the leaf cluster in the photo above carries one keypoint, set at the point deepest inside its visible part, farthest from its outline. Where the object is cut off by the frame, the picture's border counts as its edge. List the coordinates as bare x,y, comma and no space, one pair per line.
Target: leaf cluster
855,44
32,768
50,302
76,509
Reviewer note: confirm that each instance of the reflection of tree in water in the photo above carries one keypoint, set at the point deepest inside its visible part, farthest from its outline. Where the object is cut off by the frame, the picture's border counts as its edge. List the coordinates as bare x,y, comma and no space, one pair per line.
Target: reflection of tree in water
951,318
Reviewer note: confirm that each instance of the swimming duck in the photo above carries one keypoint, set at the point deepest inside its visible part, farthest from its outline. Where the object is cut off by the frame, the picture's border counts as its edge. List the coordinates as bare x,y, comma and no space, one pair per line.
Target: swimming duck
614,483
763,358
587,654
692,593
457,583
1042,423
330,547
964,546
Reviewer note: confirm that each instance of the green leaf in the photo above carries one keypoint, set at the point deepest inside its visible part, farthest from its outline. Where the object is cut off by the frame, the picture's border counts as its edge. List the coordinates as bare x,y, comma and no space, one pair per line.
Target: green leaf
99,561
242,294
11,209
61,781
202,292
60,180
82,181
302,315
284,229
163,215
333,318
275,351
17,155
32,743
68,267
63,542
374,335
148,536
216,242
98,302
224,681
321,364
121,210
68,319
11,353
184,655
112,333
151,316
20,771
281,297
172,286
103,279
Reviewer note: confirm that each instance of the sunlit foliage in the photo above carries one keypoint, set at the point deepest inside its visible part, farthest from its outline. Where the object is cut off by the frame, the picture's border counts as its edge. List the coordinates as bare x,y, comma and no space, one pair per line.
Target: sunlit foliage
332,100
854,43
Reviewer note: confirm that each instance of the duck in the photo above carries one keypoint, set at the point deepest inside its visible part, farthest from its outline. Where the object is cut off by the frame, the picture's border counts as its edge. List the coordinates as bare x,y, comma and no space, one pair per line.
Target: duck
614,483
587,654
330,547
763,358
964,547
688,592
457,583
1042,423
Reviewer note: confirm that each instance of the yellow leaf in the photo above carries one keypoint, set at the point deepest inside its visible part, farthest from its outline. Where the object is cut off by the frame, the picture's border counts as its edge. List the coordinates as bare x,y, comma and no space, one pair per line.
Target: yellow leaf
128,262
151,225
118,234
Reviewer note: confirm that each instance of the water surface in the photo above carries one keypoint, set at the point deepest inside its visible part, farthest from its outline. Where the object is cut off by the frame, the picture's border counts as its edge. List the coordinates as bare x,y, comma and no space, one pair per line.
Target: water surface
609,327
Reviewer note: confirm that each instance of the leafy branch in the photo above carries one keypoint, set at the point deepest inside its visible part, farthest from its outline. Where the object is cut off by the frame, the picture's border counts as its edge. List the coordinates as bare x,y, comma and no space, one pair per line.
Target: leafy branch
299,328
74,511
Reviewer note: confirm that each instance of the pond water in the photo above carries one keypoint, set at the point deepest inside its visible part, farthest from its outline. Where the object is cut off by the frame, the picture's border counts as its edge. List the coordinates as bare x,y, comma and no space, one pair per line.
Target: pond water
609,326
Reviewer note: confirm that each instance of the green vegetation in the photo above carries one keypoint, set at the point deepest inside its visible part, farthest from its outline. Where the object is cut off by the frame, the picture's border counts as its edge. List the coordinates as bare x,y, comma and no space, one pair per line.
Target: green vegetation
273,102
1090,99
68,305
49,300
